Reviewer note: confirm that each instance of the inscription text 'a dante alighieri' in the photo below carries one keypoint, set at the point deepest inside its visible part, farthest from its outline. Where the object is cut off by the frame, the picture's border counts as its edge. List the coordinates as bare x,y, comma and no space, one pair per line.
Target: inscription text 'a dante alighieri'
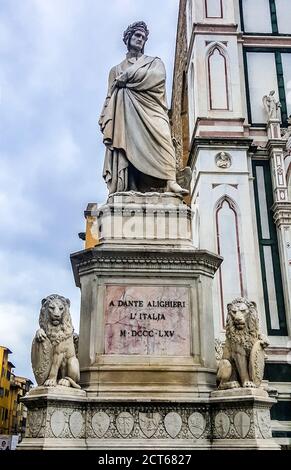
145,320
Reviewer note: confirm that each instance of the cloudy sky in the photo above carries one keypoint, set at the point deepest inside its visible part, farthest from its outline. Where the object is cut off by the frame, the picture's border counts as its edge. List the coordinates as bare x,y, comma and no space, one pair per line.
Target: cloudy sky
55,58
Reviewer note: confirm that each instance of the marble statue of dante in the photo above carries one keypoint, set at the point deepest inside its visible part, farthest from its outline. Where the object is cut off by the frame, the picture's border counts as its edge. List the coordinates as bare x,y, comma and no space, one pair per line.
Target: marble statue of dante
134,121
271,105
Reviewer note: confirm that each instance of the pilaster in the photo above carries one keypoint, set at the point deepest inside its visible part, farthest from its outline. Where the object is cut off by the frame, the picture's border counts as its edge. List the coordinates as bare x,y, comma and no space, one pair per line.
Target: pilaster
282,211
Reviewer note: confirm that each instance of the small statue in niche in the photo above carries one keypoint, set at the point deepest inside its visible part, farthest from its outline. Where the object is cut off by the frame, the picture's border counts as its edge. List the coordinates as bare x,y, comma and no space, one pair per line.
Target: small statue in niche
243,359
53,352
271,105
223,160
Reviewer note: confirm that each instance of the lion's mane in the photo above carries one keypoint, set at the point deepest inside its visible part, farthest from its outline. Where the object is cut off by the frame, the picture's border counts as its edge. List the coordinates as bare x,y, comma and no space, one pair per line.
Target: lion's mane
249,334
65,329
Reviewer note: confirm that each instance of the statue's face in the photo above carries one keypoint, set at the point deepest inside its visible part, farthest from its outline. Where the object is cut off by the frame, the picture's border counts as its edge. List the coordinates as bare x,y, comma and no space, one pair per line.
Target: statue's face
239,312
56,311
137,41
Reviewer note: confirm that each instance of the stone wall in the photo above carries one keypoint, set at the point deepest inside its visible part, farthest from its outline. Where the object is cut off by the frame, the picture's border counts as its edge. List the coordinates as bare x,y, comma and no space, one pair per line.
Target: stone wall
179,106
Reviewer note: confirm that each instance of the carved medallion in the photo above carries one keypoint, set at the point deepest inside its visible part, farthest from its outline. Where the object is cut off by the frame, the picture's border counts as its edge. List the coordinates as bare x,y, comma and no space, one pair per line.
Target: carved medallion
242,423
57,422
222,424
124,423
76,422
223,160
100,423
35,421
173,424
264,423
197,424
149,423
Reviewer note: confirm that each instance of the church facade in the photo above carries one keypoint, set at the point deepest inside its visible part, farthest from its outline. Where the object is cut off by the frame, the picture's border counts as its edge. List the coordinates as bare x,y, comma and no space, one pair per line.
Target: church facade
230,106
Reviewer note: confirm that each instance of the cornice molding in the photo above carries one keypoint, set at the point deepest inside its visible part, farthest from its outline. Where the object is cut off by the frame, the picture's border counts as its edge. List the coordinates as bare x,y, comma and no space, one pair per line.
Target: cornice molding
150,262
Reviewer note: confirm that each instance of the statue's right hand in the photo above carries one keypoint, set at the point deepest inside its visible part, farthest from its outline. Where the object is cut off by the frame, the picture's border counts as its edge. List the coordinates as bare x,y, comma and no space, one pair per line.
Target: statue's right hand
40,335
121,80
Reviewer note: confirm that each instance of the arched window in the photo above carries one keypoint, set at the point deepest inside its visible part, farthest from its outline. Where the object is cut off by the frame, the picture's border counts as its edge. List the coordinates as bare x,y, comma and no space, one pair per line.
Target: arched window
191,96
189,14
185,120
218,79
213,9
228,246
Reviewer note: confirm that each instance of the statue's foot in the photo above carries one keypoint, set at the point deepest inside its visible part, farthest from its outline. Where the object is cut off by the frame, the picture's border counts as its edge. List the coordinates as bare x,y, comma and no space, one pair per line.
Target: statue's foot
174,187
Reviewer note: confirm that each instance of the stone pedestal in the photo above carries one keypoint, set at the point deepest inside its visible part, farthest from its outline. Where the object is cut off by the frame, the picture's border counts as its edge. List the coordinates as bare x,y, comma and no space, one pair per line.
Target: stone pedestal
273,129
66,419
146,303
241,420
146,343
61,421
137,218
56,419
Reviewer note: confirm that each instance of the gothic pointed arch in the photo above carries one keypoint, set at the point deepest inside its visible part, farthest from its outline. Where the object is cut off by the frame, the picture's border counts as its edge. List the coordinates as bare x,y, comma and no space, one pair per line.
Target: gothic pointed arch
288,177
218,78
228,244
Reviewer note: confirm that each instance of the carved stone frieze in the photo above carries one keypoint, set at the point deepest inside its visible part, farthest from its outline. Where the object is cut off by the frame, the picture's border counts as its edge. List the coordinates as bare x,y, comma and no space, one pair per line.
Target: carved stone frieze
197,424
35,422
245,421
100,423
76,424
124,423
173,423
222,425
148,422
264,423
242,423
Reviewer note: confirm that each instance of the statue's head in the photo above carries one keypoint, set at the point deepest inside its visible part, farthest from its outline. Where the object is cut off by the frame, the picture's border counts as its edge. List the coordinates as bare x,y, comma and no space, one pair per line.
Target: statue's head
135,36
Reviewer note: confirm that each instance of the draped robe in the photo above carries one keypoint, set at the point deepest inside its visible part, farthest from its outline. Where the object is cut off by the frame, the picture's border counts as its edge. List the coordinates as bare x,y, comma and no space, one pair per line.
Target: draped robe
135,124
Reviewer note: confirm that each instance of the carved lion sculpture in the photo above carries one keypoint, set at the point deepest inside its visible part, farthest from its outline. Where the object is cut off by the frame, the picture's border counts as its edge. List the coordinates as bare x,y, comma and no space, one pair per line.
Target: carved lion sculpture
53,353
243,359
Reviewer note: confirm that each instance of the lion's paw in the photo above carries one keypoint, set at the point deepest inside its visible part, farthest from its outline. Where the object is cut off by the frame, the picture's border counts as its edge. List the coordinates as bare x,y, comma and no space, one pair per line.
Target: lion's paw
64,382
40,335
249,384
50,383
234,384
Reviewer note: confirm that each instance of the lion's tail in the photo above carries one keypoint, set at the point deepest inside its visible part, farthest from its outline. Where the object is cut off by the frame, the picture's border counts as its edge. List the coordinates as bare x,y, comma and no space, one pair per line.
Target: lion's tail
72,382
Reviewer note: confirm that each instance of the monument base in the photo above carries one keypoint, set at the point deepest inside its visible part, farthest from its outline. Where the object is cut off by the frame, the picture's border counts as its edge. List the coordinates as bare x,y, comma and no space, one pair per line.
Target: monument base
241,420
70,420
146,344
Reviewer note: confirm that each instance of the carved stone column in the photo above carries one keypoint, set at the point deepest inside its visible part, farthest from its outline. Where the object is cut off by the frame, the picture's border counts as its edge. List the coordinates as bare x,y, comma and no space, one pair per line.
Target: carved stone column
282,217
282,214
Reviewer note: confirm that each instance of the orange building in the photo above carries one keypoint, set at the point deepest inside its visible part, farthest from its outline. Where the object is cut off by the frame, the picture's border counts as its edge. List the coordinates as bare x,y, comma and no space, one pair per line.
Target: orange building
19,386
5,378
12,388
